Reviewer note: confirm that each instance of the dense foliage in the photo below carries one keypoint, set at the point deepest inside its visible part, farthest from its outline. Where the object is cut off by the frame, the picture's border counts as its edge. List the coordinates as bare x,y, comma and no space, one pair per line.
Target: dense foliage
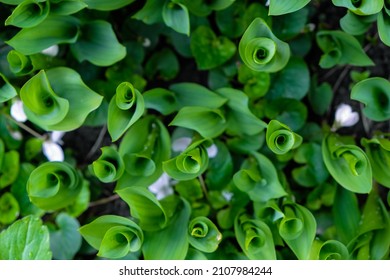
229,129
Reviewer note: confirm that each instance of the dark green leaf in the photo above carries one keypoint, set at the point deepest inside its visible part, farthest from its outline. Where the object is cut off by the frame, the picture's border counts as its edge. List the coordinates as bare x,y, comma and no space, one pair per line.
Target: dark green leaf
9,209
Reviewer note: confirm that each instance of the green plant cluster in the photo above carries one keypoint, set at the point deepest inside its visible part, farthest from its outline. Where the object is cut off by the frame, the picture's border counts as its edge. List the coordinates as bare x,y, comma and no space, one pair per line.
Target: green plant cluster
222,139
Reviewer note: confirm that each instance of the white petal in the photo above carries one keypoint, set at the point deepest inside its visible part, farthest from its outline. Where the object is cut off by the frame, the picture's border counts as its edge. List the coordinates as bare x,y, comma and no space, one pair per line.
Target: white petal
345,116
180,144
17,111
17,135
146,43
212,151
161,187
51,51
53,151
56,136
227,195
267,3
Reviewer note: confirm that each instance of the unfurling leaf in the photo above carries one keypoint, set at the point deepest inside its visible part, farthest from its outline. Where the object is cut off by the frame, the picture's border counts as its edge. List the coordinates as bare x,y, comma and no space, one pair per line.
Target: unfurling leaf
113,236
109,167
254,237
261,50
58,99
330,250
374,93
191,163
54,185
259,179
298,229
281,7
347,163
7,91
26,239
125,108
378,152
280,138
204,234
29,14
360,7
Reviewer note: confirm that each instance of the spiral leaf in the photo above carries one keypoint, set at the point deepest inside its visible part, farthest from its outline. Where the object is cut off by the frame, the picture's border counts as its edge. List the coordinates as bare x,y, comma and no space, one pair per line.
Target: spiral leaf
125,108
348,164
259,179
254,237
29,13
204,235
109,167
191,163
333,250
280,138
7,91
374,93
378,152
54,185
360,7
113,236
298,229
143,155
261,50
19,63
58,99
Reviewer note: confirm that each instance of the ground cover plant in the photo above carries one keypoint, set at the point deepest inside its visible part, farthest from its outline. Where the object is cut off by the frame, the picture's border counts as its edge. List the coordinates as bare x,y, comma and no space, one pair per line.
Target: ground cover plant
194,129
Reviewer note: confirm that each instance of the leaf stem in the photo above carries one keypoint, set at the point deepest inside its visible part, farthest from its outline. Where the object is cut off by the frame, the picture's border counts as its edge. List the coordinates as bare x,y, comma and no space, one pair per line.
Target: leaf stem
26,128
104,200
203,185
97,142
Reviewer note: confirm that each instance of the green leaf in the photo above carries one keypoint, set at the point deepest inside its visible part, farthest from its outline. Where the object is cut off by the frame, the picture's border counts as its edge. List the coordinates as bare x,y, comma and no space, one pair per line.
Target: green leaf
259,179
360,7
7,91
58,99
378,152
209,123
240,120
9,209
29,13
145,208
144,153
204,234
320,97
203,8
254,237
261,50
191,94
383,23
98,44
298,229
109,167
280,7
191,163
19,63
81,202
9,168
292,82
341,48
220,169
65,242
176,16
151,12
280,138
107,5
356,25
170,243
52,31
374,93
290,26
256,84
331,250
114,236
161,100
67,7
209,50
347,164
163,64
125,108
26,239
54,185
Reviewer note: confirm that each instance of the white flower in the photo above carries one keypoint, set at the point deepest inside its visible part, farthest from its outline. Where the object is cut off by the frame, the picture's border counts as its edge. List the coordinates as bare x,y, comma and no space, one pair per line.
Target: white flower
17,111
162,187
146,42
51,51
345,117
180,144
267,3
51,148
212,151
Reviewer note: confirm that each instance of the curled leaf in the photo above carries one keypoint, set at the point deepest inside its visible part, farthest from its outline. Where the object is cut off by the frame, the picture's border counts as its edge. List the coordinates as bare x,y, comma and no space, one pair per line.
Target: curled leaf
254,237
58,99
360,7
109,167
261,50
29,13
374,93
347,163
203,234
113,236
280,138
189,164
54,185
9,209
19,63
259,179
176,16
7,91
125,108
161,100
332,250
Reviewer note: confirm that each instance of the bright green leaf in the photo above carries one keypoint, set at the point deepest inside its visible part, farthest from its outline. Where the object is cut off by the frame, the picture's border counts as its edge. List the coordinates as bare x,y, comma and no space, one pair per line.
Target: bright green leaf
161,100
28,14
280,138
9,208
204,234
109,167
9,168
281,7
360,7
176,16
7,91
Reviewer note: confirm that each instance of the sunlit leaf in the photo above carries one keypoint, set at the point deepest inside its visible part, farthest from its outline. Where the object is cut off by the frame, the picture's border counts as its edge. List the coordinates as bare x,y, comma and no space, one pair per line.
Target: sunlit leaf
204,235
331,250
26,239
109,167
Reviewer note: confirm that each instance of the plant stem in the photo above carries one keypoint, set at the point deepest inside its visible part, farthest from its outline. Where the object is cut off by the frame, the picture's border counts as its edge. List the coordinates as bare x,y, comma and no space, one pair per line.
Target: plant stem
104,200
26,128
97,142
203,185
